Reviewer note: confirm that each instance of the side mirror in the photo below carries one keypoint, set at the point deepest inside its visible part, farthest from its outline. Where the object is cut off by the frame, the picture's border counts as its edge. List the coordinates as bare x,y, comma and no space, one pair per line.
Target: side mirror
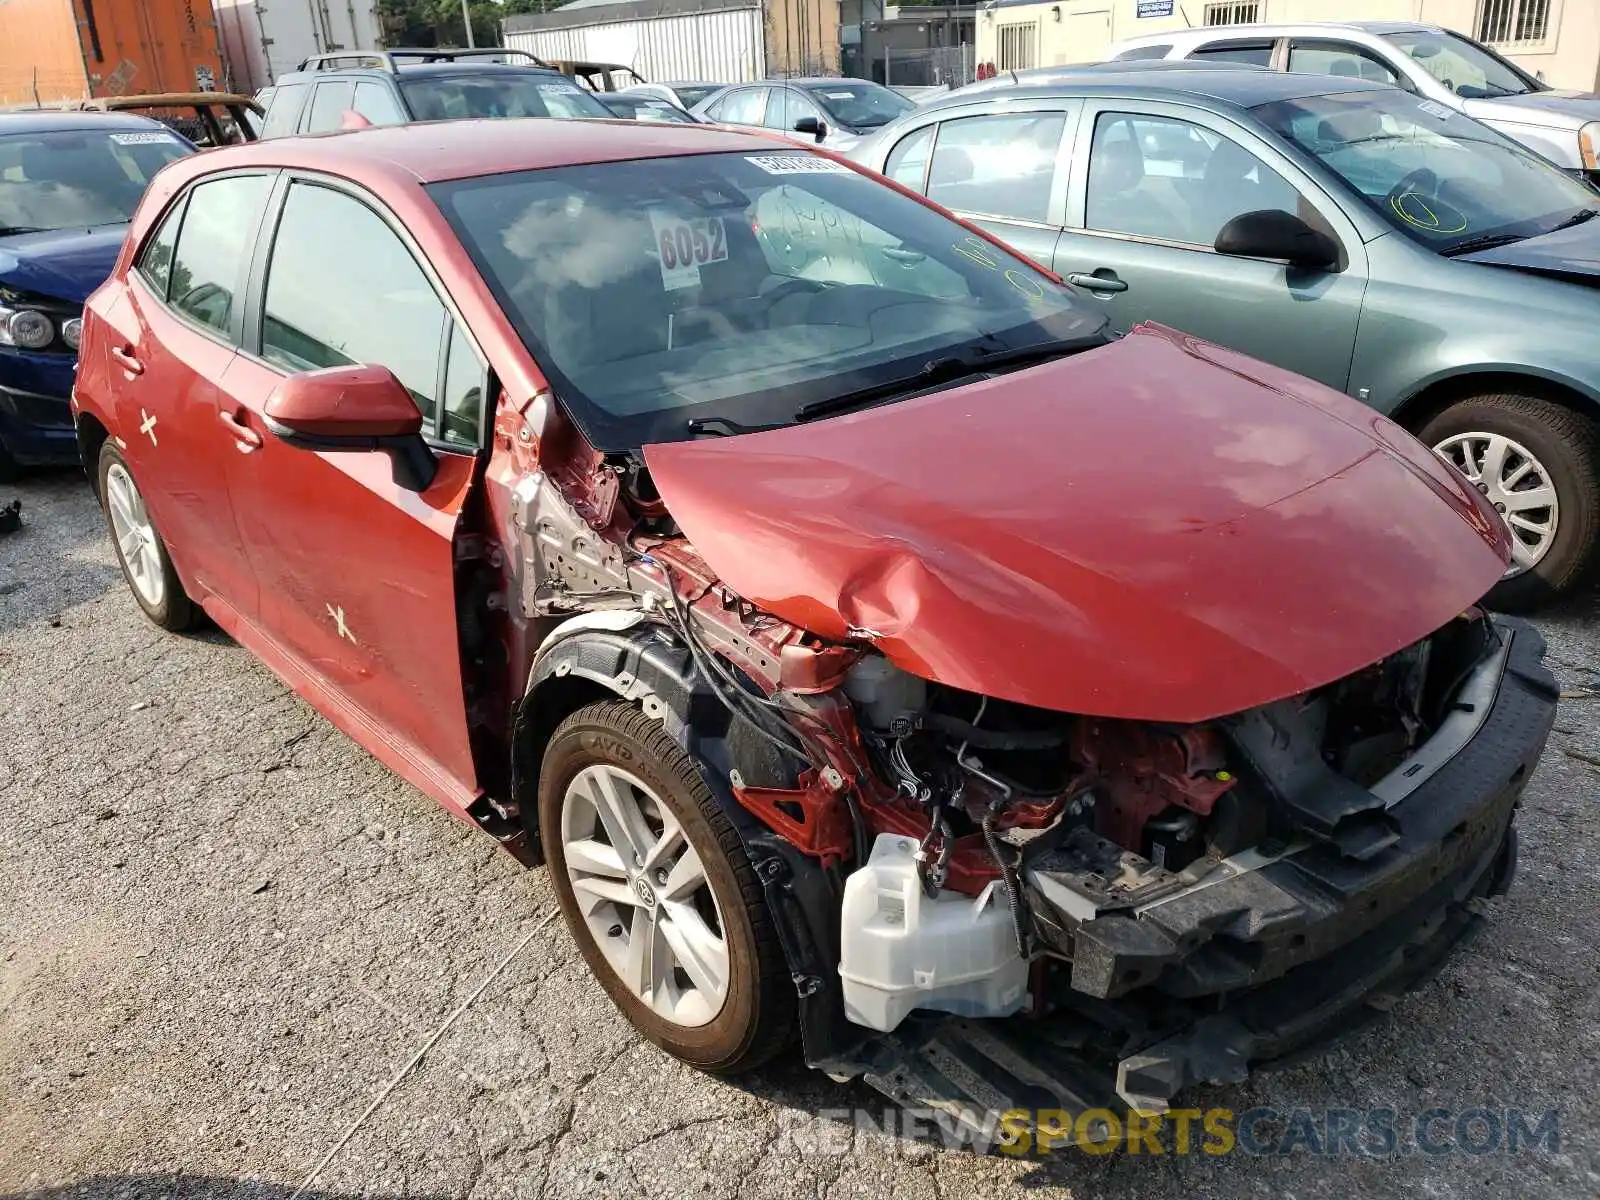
353,408
815,126
1273,233
351,119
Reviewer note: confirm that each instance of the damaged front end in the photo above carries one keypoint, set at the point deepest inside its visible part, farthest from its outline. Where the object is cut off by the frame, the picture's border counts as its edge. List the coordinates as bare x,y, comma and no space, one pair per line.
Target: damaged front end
1049,810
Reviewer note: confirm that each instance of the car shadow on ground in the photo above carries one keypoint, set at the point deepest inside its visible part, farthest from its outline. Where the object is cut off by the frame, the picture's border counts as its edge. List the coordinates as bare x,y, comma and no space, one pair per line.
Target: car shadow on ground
180,1186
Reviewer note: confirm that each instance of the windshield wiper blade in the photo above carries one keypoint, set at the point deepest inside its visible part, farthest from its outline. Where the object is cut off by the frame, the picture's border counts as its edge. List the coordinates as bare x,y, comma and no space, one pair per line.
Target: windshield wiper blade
944,370
8,230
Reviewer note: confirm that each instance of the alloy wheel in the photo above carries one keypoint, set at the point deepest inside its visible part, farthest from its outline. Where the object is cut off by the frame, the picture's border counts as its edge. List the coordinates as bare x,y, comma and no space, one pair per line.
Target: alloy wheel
1517,484
136,536
643,894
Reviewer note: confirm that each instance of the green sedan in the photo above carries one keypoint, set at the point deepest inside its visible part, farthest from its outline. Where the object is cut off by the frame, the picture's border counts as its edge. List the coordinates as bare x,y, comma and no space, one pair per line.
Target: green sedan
1348,231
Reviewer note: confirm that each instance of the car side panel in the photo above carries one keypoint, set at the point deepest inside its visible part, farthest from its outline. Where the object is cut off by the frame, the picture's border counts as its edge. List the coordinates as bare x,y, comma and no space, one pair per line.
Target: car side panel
1428,320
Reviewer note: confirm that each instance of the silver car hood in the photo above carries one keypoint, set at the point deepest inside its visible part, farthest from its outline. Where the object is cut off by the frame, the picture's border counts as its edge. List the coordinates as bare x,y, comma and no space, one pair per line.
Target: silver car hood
1550,110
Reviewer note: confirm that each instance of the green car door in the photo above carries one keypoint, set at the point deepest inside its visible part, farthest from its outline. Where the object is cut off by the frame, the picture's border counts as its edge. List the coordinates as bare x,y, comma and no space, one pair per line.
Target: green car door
1151,186
1003,171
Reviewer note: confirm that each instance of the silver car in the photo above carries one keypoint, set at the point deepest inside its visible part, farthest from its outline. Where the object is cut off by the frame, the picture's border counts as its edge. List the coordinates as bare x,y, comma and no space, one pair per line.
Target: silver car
1436,64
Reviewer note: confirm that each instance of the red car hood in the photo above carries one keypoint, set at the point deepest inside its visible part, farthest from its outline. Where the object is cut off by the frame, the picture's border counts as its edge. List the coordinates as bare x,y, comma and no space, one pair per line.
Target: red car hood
1158,528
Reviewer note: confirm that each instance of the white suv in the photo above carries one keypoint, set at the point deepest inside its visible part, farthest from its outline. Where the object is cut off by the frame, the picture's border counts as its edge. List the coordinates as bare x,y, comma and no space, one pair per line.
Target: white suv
1436,64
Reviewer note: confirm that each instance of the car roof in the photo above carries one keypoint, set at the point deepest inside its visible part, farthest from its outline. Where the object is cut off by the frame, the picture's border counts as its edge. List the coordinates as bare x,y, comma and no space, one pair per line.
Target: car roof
410,70
1244,88
1208,33
435,151
48,121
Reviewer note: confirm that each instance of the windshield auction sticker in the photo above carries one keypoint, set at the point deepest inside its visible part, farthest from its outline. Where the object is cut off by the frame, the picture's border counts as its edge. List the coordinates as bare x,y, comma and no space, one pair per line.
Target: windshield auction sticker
152,138
796,164
684,246
1435,110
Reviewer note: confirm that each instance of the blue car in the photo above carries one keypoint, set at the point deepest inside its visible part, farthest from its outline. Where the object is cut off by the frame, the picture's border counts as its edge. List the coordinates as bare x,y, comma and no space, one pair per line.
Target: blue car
69,181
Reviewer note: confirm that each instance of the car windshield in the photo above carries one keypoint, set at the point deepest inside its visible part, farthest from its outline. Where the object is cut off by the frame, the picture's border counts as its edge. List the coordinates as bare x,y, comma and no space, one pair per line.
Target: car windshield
642,108
78,178
498,94
740,287
860,105
1438,176
690,94
1466,68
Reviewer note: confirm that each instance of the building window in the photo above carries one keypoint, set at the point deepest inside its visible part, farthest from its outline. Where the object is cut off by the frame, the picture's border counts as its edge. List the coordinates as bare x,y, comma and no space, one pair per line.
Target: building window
1018,46
1513,22
1233,12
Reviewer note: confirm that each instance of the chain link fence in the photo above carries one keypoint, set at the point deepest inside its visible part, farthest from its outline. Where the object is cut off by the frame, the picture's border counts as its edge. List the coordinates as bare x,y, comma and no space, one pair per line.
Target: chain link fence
935,66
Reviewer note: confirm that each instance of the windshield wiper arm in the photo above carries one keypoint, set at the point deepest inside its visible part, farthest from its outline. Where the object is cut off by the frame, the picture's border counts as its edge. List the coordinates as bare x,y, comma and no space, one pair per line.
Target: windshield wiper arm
944,370
1487,241
1577,218
724,427
8,230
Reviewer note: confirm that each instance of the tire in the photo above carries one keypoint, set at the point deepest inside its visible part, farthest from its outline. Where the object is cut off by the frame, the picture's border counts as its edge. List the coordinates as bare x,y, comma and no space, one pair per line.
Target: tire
756,1016
151,578
1565,446
9,471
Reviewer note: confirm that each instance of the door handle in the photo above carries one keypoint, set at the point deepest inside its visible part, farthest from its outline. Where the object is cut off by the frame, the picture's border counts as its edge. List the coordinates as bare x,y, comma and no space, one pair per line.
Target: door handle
1098,283
125,359
245,438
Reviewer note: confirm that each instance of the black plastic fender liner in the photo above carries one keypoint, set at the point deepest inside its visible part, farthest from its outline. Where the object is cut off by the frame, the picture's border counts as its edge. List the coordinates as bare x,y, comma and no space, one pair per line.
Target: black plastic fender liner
649,666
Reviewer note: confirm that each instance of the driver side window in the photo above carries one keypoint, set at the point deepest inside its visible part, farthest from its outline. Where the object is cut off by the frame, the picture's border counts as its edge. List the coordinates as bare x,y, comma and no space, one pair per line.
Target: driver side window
342,288
1173,181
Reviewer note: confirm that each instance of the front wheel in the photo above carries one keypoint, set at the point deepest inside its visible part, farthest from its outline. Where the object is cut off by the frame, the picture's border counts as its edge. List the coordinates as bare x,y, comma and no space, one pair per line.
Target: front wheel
1538,464
655,886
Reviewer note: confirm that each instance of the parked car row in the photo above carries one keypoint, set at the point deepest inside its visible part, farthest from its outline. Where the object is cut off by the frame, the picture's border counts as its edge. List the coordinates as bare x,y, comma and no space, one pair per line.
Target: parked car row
884,622
1380,243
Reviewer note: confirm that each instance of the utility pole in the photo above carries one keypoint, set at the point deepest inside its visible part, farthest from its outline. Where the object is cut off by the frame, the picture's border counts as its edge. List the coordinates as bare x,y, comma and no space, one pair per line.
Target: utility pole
466,17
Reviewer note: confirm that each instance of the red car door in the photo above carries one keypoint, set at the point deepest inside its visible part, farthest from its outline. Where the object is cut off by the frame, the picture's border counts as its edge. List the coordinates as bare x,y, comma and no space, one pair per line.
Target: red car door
356,572
171,328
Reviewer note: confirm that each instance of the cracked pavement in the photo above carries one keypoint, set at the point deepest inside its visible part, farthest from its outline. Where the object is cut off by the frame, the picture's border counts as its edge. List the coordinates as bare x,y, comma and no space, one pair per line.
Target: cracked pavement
224,929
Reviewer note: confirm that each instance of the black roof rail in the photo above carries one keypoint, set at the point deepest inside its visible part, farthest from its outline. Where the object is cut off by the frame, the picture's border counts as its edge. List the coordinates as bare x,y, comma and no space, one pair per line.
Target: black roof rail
388,60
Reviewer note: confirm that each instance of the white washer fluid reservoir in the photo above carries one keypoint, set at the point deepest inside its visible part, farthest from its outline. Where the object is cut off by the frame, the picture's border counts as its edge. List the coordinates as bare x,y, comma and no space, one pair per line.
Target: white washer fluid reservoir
900,950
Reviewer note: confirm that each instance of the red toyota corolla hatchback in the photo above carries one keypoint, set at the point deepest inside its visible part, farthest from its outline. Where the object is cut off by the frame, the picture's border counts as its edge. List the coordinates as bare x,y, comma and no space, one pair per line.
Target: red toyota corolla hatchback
873,648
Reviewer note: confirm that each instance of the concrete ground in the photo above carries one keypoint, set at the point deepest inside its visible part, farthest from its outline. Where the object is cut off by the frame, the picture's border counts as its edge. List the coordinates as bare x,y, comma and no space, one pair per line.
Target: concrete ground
225,930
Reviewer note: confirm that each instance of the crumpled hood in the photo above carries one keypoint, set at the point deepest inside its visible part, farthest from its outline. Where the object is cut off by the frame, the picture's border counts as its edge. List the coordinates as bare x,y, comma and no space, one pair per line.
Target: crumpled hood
1553,109
66,264
1573,252
1158,529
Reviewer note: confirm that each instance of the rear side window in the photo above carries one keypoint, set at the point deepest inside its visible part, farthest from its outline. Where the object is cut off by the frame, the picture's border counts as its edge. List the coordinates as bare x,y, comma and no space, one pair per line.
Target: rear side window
342,288
743,107
329,104
155,264
1143,52
999,166
1256,54
214,245
283,110
908,161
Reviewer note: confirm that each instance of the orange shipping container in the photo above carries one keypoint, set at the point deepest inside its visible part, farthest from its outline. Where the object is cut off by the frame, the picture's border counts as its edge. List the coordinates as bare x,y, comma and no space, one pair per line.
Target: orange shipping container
54,50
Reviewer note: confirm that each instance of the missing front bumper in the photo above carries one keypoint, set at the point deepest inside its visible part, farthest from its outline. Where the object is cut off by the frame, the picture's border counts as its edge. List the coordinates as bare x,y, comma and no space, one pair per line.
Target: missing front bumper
1264,966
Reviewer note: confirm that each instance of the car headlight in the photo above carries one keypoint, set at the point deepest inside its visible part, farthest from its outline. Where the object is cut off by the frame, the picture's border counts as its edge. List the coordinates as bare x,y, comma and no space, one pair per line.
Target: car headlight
26,328
72,331
1589,146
